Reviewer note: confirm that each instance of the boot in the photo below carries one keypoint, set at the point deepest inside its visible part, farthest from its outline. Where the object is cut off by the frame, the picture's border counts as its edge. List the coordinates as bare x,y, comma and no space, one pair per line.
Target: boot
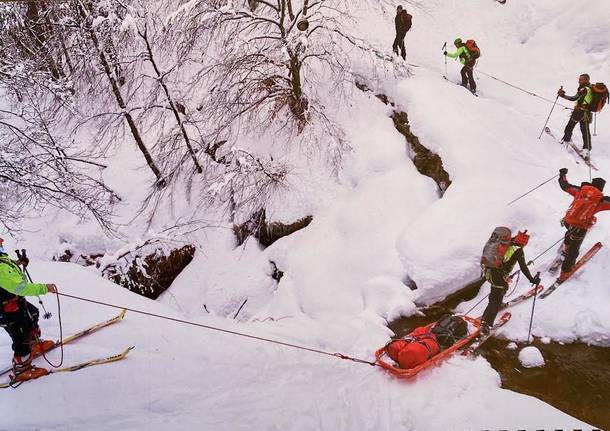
22,364
40,346
37,345
485,328
23,369
563,276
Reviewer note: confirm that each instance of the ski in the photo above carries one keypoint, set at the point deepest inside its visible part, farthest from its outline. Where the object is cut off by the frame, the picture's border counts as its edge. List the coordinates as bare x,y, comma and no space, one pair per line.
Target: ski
569,144
519,299
71,368
78,335
472,348
580,154
463,86
584,259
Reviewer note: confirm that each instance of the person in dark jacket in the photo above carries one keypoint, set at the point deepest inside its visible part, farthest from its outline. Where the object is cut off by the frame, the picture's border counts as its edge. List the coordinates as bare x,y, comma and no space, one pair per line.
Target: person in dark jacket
580,216
18,317
499,278
402,22
581,113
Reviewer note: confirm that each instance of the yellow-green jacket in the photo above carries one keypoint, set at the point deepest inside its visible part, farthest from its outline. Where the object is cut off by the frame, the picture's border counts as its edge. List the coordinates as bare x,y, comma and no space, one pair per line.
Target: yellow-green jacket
14,281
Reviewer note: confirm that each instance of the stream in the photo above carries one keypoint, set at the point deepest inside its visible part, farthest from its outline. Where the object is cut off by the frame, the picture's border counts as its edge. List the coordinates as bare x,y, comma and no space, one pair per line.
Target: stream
575,378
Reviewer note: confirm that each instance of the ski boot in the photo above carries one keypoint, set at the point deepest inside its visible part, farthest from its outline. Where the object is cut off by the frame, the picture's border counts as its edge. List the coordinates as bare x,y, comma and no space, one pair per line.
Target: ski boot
563,276
40,346
24,370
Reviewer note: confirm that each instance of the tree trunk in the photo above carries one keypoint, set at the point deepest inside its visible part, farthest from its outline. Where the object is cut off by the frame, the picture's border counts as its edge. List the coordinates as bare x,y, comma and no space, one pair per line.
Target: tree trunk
172,105
119,99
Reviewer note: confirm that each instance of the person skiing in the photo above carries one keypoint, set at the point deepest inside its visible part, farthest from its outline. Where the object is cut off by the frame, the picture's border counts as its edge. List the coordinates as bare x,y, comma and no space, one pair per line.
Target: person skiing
581,113
499,278
18,317
403,23
468,59
580,216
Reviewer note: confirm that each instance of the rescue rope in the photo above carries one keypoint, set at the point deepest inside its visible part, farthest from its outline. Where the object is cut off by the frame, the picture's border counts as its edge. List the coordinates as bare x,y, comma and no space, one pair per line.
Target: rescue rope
531,93
226,331
61,339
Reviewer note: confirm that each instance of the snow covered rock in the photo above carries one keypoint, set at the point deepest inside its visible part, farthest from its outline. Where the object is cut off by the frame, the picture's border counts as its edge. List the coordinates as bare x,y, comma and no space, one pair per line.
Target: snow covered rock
530,357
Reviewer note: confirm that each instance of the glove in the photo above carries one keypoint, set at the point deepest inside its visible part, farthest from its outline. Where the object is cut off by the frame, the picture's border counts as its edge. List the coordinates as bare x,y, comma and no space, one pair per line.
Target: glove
444,52
562,222
563,171
561,92
536,279
23,261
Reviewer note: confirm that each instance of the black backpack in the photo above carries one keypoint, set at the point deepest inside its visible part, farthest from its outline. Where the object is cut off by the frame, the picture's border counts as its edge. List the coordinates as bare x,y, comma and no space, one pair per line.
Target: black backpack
449,329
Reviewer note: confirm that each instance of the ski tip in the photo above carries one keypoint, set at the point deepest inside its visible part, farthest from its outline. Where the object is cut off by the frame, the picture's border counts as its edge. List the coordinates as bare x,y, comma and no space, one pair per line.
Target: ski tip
122,314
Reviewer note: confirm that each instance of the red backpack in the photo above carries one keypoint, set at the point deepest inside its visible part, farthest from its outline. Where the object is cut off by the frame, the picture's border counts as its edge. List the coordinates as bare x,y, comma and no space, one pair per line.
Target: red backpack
473,49
419,347
407,20
581,212
599,97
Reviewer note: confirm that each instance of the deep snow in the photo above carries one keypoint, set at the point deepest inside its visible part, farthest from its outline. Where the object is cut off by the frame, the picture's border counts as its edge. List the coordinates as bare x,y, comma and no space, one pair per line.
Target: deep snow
344,273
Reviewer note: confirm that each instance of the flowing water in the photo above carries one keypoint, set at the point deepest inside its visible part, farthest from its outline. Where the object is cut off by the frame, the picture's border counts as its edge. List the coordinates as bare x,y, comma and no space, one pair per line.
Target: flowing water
575,378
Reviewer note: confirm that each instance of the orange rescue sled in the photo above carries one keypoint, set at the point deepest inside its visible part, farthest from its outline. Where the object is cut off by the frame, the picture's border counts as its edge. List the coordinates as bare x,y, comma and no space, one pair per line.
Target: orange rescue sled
383,360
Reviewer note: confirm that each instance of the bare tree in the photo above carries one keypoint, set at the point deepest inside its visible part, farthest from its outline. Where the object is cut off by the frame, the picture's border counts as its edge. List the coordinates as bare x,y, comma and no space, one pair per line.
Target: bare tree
254,65
99,38
38,168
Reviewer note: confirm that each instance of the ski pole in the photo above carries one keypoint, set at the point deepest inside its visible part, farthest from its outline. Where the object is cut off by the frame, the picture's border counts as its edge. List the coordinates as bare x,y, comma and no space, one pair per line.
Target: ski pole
23,257
595,124
549,117
529,331
527,193
443,50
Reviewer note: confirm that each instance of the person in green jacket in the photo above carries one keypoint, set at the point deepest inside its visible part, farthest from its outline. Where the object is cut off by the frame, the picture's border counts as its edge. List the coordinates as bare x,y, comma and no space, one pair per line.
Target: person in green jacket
581,113
18,317
468,60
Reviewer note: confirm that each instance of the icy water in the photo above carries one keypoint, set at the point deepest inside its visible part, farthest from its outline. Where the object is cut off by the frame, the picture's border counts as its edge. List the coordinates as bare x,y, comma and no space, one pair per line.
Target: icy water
575,379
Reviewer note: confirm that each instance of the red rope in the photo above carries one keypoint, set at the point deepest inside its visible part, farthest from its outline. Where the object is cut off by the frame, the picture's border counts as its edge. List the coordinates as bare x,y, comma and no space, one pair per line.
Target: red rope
226,331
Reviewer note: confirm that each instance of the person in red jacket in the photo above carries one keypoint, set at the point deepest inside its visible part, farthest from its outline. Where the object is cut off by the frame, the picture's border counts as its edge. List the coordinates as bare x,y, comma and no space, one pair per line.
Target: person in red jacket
580,216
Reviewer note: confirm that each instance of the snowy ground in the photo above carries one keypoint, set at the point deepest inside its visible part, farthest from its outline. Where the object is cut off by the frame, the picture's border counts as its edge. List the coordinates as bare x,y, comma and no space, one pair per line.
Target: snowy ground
343,273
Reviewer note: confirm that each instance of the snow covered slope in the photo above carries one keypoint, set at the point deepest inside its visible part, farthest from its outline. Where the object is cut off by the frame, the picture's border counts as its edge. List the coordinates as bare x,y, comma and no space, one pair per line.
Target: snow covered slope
183,377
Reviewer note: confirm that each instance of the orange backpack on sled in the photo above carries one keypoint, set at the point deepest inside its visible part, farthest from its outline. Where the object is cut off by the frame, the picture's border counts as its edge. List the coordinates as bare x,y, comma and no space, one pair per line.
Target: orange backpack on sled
417,348
394,350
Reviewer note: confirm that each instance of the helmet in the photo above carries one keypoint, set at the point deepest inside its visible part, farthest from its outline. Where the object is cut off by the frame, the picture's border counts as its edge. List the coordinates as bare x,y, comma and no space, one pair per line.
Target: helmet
458,41
521,239
598,183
